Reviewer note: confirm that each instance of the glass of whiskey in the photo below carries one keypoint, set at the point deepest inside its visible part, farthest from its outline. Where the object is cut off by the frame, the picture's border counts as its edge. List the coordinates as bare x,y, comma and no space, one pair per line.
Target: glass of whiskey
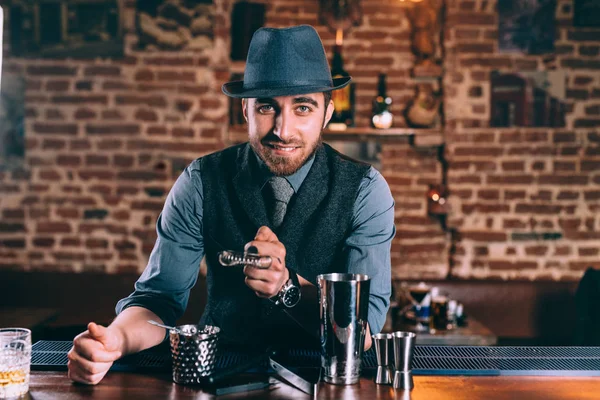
15,361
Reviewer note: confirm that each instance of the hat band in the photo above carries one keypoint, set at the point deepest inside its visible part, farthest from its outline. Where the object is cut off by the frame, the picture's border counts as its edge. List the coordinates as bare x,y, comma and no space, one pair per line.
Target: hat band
286,84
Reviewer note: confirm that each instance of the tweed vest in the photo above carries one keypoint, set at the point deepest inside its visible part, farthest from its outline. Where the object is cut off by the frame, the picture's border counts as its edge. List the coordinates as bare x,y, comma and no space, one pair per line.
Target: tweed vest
317,221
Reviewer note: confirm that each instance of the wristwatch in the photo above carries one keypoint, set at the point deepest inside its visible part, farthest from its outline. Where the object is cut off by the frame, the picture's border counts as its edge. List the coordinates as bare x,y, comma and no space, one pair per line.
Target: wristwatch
289,295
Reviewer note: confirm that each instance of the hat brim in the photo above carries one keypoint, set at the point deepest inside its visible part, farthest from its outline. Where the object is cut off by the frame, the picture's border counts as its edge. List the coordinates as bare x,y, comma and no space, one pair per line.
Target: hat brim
236,89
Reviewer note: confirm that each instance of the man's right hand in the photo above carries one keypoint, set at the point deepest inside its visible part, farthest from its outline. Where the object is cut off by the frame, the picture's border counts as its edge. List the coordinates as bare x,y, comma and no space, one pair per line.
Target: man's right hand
93,353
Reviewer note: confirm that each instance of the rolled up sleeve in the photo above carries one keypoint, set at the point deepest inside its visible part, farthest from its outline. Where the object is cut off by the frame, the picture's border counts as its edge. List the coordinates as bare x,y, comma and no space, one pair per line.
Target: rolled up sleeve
368,247
174,262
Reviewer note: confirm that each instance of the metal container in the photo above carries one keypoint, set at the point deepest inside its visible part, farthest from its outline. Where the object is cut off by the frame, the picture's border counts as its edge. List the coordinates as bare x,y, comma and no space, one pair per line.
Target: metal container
194,352
344,306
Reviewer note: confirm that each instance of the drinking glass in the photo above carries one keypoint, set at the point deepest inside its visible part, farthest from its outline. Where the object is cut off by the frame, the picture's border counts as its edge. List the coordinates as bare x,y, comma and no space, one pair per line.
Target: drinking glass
15,361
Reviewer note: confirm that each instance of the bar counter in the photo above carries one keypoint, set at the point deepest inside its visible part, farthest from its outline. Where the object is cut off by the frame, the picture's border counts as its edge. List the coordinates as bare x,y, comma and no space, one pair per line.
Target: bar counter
121,385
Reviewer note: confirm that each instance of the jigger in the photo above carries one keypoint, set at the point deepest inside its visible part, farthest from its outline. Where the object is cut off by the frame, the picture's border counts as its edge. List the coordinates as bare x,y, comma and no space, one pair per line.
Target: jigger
382,342
404,343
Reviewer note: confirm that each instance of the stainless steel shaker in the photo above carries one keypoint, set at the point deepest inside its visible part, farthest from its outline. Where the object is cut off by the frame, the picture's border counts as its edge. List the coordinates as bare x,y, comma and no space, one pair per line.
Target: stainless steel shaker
344,306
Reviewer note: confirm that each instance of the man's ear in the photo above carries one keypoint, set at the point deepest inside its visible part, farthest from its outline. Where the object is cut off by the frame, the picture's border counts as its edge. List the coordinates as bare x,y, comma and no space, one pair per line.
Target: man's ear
244,109
328,113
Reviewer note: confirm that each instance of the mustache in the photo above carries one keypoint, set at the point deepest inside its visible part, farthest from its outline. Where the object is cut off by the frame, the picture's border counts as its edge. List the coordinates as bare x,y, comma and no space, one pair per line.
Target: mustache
271,138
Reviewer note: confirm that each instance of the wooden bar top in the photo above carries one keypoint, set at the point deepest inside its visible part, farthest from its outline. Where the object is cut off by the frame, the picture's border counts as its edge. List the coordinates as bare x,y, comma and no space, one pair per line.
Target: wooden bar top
117,385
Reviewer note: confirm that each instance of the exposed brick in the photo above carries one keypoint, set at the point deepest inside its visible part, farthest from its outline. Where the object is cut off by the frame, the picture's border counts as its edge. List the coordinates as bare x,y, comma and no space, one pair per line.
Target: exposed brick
485,208
84,113
511,223
80,144
80,99
110,144
484,236
102,70
95,160
586,123
467,33
53,227
53,144
511,265
96,174
13,213
578,63
569,166
68,213
68,161
588,251
106,129
150,101
513,166
591,51
144,75
182,132
563,180
123,160
55,129
583,80
57,86
584,35
567,195
175,61
536,250
43,242
176,76
146,115
94,243
475,47
84,86
48,70
488,194
569,224
591,195
537,209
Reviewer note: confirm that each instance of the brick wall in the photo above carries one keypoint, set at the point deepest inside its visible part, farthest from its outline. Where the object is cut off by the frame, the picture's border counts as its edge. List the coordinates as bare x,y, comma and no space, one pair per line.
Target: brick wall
107,138
524,201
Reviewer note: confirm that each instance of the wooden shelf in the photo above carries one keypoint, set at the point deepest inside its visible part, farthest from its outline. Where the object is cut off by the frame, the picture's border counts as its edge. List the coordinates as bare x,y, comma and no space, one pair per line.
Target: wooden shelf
416,136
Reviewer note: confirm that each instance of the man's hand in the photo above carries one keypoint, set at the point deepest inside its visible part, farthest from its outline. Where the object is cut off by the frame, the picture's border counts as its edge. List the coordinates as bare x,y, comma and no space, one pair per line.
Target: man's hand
93,353
266,283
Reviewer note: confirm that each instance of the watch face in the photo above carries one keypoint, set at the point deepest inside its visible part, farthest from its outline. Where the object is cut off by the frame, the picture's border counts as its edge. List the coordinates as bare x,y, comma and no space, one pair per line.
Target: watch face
291,296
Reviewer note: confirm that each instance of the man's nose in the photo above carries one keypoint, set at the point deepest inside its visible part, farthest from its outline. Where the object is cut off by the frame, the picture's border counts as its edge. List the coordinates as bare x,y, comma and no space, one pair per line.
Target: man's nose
282,125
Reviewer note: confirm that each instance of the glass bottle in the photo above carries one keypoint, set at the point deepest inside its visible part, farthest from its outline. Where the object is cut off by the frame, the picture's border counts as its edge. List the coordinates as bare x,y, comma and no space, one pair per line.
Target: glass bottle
343,99
382,118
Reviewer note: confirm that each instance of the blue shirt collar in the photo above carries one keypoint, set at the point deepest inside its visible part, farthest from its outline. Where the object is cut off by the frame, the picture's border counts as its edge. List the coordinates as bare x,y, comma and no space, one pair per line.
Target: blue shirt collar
295,179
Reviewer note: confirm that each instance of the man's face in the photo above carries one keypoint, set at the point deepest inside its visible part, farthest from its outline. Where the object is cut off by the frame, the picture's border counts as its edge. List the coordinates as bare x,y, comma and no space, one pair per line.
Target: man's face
285,131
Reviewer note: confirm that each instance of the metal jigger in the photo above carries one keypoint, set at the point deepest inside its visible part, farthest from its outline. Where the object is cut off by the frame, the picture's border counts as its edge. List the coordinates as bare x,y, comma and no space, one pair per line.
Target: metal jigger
382,342
404,343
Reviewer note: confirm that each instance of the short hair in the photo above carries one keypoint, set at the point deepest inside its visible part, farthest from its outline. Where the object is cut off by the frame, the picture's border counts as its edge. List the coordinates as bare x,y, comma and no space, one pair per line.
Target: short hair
327,97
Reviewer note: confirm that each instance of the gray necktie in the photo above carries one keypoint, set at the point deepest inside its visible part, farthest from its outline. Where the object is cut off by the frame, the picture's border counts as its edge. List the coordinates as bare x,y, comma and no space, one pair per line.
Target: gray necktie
279,193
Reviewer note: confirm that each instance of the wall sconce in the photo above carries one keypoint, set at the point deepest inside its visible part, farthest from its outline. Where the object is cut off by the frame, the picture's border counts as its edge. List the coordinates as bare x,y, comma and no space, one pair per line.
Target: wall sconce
340,15
437,203
437,200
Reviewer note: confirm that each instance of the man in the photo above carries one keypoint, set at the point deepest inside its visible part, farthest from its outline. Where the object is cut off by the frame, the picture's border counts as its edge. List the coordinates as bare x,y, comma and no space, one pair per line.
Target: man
285,195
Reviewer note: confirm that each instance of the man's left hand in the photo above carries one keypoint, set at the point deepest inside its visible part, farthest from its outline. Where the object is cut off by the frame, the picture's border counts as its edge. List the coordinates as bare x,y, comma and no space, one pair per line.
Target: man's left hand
266,283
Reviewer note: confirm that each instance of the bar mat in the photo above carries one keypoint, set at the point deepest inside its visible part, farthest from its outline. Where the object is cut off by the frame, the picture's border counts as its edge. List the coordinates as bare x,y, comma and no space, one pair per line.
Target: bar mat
428,360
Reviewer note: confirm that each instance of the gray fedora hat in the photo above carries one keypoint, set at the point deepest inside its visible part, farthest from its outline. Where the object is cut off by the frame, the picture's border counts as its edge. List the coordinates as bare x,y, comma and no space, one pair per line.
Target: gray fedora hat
285,62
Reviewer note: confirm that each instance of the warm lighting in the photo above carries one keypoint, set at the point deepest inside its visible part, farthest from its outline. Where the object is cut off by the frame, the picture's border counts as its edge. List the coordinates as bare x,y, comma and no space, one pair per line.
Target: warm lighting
339,37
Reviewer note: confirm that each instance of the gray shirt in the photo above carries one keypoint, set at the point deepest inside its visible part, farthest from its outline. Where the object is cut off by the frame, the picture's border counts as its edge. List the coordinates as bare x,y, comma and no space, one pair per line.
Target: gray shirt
174,263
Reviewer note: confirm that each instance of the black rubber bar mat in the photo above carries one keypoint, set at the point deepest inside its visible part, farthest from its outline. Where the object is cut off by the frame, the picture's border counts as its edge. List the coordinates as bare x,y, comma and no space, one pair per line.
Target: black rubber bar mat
428,360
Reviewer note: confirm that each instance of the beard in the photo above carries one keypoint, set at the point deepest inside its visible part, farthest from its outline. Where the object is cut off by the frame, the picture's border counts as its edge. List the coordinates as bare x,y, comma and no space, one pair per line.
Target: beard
284,165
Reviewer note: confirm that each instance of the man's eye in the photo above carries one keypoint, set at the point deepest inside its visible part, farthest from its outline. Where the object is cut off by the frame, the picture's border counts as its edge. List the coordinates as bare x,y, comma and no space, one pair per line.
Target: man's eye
265,108
304,109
